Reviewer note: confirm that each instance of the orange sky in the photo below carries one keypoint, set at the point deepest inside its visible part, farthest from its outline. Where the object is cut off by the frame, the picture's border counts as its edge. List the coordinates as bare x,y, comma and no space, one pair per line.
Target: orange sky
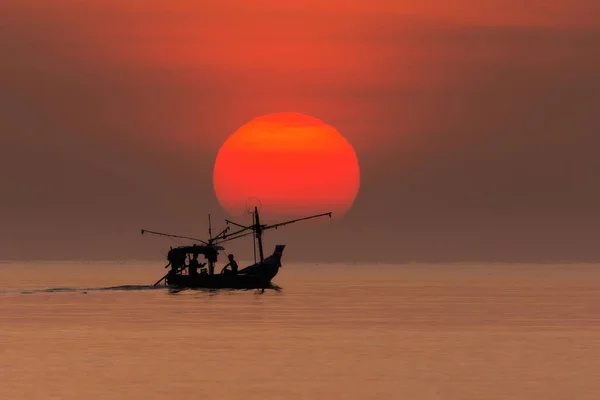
284,49
476,111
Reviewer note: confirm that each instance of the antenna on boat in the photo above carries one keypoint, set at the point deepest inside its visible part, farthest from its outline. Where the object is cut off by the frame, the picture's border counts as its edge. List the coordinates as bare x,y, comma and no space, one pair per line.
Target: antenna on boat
209,230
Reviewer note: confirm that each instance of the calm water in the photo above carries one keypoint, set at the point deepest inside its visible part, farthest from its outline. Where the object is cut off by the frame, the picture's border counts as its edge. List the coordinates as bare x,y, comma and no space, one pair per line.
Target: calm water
332,332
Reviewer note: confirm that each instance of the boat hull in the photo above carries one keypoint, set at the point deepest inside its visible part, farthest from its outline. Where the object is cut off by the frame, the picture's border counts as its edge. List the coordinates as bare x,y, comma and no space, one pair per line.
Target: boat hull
255,276
221,281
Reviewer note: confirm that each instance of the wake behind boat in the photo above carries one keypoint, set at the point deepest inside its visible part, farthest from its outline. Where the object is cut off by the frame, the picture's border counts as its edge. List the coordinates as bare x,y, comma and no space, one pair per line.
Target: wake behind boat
189,272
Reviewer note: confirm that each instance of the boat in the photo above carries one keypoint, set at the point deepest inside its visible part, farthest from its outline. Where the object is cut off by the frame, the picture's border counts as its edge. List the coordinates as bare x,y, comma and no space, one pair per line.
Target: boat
188,272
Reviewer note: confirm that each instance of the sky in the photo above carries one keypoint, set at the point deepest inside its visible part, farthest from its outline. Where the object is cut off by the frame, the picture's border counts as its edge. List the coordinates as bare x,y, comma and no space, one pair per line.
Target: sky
476,123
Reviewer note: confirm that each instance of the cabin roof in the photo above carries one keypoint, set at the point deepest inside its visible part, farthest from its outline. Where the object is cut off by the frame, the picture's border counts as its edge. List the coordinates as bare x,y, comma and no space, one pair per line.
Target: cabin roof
210,252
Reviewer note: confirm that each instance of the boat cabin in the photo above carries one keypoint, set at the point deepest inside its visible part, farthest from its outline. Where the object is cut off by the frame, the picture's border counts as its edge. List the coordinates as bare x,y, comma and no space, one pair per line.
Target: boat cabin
185,258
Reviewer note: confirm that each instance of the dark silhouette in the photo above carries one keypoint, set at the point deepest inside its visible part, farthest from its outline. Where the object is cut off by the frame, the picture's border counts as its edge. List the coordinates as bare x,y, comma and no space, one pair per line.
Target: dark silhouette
255,276
203,271
177,264
193,268
232,264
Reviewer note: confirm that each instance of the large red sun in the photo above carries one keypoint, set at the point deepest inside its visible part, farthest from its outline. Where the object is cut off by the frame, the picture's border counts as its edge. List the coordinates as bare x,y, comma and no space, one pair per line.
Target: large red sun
292,163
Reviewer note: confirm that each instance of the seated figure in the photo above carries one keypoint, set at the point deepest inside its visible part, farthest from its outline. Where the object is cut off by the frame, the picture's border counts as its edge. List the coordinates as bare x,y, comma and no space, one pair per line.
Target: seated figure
232,265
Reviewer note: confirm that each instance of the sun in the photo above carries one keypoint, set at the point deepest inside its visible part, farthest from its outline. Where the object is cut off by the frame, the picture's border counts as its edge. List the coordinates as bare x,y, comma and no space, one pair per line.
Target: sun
292,163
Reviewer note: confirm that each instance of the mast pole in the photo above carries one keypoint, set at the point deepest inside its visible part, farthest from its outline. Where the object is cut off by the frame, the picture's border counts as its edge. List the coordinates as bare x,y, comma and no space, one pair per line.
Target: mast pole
258,231
211,263
254,237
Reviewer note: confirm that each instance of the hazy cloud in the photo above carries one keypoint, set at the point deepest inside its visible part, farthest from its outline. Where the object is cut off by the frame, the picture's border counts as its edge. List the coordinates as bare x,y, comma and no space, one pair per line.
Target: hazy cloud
476,138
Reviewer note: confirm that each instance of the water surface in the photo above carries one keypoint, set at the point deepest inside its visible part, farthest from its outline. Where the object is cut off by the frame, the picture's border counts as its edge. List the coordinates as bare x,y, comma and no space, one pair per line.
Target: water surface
495,331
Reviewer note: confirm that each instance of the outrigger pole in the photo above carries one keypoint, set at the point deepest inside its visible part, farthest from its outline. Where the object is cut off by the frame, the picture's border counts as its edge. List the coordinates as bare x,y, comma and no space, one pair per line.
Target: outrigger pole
258,229
174,236
211,241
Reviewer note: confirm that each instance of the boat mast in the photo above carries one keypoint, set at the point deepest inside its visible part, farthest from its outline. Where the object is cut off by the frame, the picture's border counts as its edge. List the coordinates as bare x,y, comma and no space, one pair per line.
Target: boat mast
258,230
254,237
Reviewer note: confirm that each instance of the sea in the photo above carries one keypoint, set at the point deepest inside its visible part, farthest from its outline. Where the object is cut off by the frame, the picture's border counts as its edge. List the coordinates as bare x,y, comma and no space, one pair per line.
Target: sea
100,330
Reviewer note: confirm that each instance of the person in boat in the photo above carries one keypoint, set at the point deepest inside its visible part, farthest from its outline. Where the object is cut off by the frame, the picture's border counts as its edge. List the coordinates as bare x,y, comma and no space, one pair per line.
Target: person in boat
173,270
203,270
180,264
193,267
176,262
232,264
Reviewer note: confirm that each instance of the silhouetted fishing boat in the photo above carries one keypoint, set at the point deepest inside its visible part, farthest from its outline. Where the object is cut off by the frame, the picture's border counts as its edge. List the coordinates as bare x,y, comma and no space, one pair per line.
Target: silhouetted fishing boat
188,272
